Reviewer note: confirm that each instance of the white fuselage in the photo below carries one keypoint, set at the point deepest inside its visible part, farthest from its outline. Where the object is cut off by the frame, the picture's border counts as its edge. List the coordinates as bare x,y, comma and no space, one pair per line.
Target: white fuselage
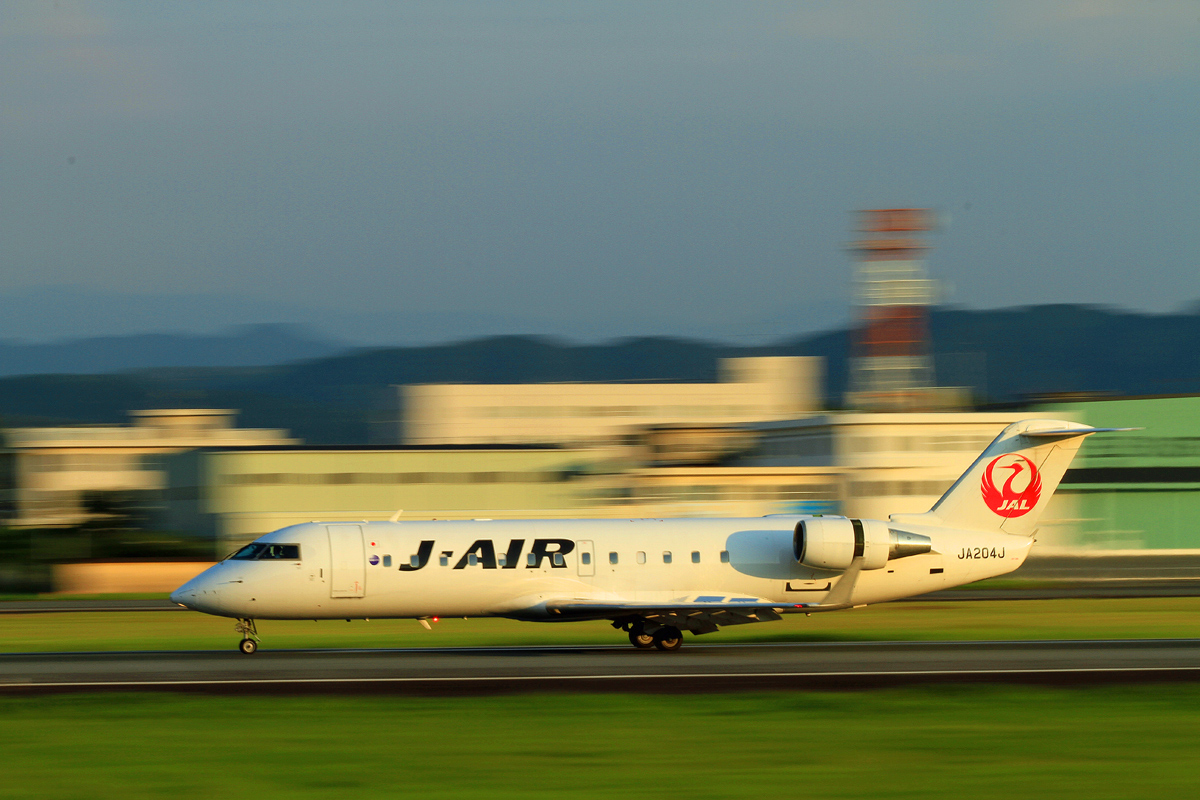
484,568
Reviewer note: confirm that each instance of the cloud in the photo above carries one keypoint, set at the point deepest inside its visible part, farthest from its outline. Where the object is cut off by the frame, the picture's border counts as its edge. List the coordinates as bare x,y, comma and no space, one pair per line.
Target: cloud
1109,41
1097,42
66,60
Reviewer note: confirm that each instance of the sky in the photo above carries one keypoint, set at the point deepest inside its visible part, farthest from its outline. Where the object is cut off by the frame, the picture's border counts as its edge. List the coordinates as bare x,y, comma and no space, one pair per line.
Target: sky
404,173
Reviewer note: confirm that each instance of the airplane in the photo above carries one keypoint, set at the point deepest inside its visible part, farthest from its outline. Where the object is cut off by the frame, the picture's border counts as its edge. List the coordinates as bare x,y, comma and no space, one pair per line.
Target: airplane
650,578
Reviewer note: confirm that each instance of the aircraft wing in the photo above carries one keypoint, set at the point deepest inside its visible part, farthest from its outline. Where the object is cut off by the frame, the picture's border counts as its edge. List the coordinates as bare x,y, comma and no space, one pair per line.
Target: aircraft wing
702,615
706,613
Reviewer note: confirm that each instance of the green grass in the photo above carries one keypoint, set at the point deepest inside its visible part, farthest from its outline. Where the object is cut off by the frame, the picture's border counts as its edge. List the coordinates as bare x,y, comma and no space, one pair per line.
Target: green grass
952,742
1073,618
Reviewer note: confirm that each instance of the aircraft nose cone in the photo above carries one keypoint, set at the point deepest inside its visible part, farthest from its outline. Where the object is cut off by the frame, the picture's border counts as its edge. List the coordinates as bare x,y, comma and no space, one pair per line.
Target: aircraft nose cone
189,595
179,597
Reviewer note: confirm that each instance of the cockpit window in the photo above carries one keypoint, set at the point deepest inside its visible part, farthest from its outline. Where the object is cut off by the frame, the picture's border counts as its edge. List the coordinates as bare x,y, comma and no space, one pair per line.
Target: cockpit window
268,551
247,553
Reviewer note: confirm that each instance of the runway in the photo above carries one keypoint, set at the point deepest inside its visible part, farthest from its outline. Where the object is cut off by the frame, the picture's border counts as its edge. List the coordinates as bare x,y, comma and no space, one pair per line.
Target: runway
697,668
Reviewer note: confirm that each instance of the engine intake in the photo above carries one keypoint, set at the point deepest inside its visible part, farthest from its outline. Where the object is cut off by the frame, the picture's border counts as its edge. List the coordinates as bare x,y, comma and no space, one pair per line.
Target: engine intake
835,542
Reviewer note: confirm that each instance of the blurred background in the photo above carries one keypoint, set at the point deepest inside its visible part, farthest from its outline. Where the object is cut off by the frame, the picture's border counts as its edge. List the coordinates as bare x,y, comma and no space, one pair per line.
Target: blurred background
285,262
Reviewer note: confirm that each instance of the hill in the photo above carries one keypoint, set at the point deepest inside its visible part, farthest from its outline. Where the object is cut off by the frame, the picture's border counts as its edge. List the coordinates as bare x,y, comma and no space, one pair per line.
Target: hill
246,346
1008,355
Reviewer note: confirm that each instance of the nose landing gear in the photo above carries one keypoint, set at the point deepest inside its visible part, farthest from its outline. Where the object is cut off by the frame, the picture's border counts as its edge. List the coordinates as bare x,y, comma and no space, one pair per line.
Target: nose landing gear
250,640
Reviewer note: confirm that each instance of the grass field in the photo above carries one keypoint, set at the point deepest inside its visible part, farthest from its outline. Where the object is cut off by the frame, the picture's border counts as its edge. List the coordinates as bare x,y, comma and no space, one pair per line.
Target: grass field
952,742
1131,618
980,742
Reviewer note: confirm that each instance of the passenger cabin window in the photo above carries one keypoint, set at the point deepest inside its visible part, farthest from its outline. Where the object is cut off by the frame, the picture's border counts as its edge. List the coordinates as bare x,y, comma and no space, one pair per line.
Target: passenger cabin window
666,556
612,558
558,560
695,556
387,561
414,561
502,560
641,557
268,551
724,556
585,558
443,559
532,560
473,560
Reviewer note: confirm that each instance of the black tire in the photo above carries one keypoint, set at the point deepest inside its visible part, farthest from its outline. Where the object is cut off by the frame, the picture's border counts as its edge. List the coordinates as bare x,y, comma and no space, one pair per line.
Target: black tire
642,641
248,646
668,639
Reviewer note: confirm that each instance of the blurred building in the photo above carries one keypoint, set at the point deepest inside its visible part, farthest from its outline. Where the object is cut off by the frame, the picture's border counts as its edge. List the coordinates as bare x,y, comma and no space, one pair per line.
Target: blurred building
1125,492
234,495
860,464
600,414
867,465
53,472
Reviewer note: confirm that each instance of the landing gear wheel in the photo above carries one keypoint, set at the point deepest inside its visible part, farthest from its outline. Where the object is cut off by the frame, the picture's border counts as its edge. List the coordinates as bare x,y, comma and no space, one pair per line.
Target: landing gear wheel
249,632
640,640
668,639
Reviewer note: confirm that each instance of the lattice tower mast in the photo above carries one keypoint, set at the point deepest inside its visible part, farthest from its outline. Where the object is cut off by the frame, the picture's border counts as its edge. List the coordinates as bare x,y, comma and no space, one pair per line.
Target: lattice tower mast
891,366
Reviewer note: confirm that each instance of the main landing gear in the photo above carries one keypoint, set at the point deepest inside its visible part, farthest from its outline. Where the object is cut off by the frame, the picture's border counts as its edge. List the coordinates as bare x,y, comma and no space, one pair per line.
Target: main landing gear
249,643
642,641
667,638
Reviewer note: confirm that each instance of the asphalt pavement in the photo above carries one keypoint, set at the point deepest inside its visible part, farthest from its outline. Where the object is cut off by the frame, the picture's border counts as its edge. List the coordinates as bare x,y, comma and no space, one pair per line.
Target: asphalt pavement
695,668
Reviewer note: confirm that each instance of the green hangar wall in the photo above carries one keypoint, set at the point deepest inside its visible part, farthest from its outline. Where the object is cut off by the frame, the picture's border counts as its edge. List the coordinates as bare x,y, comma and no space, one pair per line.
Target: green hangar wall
1138,490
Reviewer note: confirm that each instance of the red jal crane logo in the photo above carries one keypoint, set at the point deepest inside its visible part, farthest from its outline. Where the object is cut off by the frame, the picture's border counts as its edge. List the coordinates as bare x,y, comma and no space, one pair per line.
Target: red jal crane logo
1009,501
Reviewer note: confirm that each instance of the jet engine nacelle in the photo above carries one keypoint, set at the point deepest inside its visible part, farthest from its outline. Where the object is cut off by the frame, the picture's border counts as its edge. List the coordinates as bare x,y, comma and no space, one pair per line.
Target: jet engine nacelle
834,543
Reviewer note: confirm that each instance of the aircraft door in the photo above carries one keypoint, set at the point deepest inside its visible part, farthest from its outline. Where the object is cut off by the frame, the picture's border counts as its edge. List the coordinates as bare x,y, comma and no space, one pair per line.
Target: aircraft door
346,561
587,559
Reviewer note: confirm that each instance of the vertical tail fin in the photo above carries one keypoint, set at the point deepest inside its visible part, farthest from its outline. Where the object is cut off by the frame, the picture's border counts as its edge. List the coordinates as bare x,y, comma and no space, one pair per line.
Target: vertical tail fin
1010,484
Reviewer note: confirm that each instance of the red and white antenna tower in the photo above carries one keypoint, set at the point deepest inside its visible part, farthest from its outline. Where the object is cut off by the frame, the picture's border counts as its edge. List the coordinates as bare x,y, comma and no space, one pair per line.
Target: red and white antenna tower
891,367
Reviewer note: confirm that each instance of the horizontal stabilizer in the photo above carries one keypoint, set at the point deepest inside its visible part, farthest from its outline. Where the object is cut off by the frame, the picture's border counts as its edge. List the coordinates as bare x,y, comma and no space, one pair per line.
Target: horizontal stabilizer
1079,431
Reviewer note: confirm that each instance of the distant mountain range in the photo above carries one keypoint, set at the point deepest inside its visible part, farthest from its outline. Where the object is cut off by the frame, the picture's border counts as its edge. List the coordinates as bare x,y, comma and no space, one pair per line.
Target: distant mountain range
252,345
1006,355
62,313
